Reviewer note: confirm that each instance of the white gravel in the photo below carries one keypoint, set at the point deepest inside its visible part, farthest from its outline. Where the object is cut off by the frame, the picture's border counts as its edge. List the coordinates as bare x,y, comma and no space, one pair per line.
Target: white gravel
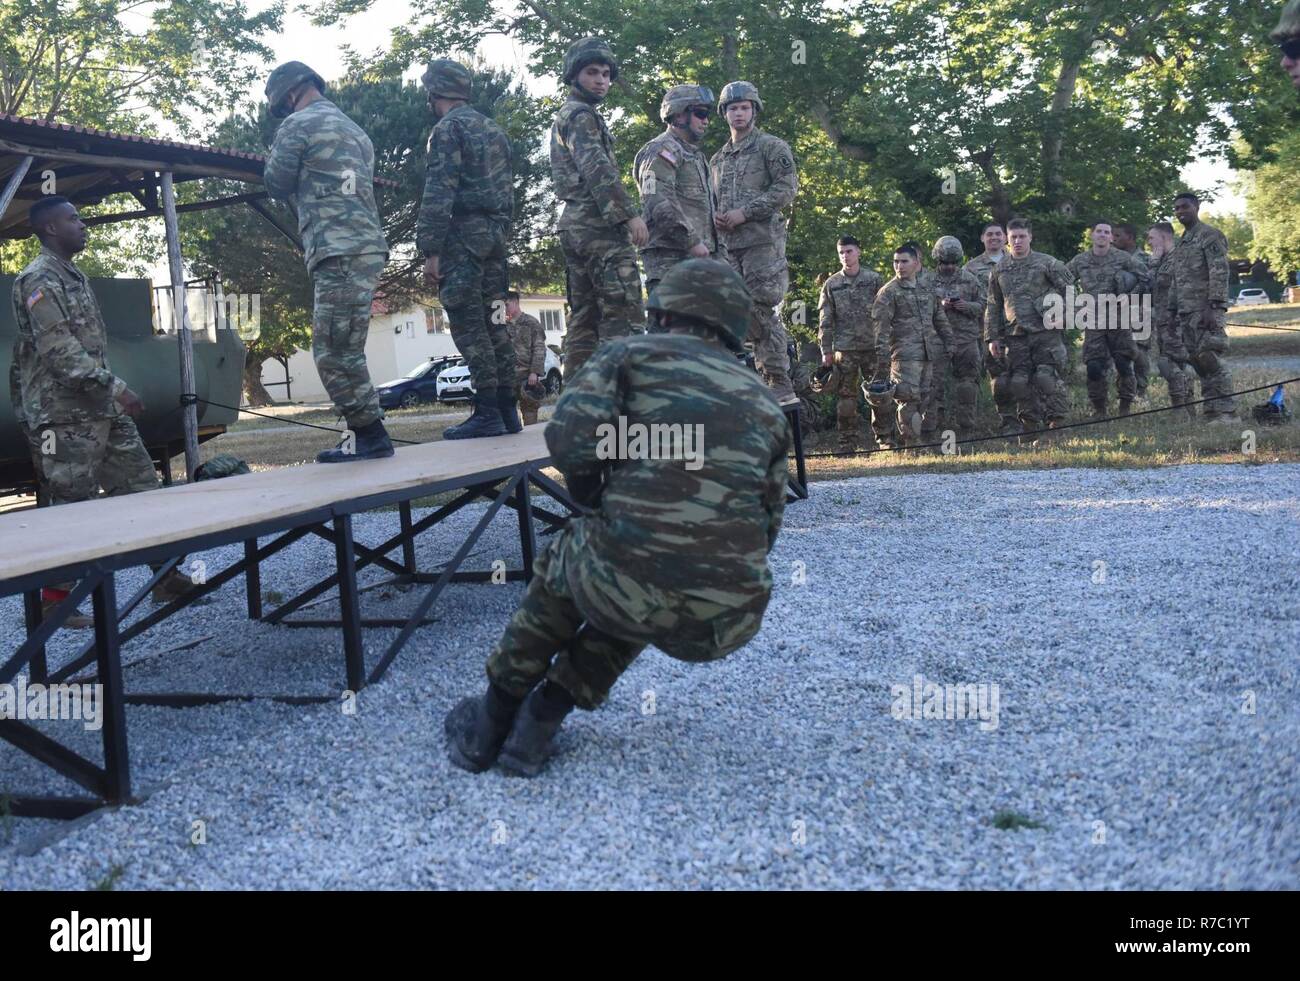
1120,725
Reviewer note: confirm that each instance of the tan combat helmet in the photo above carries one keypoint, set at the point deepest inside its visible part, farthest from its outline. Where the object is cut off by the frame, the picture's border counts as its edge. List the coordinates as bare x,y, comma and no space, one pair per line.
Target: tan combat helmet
739,92
681,97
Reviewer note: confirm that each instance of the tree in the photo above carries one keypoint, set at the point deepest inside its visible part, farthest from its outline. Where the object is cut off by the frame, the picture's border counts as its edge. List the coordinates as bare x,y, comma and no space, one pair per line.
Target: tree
1237,230
1273,207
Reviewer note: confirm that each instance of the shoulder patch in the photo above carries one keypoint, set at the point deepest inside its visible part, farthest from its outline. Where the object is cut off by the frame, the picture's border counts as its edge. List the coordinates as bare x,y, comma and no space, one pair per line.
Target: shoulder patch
35,298
668,155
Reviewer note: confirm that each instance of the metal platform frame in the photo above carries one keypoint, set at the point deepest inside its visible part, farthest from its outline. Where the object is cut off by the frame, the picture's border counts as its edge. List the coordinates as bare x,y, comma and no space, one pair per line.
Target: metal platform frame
110,784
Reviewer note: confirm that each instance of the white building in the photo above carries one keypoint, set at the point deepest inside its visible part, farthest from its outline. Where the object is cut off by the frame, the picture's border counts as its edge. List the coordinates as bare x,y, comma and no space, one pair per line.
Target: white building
399,340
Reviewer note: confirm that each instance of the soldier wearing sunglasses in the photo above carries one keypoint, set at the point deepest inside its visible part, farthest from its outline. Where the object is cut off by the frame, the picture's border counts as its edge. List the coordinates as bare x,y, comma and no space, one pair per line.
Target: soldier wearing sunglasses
1287,37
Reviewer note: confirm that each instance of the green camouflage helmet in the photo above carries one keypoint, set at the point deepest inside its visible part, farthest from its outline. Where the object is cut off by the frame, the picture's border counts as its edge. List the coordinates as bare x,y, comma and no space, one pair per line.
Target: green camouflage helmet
1288,25
222,465
587,51
739,92
285,77
948,249
681,97
447,79
711,292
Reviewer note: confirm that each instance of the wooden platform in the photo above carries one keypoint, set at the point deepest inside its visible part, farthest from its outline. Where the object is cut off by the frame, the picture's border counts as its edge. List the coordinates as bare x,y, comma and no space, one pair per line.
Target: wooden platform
75,534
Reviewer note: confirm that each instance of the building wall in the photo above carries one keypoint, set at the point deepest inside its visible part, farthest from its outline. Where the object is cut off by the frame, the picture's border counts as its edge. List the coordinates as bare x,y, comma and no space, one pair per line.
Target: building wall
396,344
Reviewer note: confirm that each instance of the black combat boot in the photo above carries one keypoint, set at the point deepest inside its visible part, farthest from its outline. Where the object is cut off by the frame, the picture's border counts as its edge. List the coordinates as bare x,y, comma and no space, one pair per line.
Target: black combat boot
486,420
1098,408
1125,407
371,442
508,403
477,727
532,740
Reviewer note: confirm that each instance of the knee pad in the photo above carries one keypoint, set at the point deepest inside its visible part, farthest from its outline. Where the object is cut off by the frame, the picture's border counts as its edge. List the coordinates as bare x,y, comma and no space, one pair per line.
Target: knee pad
1124,365
1002,393
1045,379
966,391
1096,371
1019,387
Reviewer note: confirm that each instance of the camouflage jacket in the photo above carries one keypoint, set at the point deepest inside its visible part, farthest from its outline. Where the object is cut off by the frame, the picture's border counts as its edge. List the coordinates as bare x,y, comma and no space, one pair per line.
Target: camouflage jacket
982,266
910,323
584,170
1200,270
967,318
467,177
1098,274
1140,256
758,176
1018,291
323,164
701,523
529,339
844,311
1162,279
62,346
676,194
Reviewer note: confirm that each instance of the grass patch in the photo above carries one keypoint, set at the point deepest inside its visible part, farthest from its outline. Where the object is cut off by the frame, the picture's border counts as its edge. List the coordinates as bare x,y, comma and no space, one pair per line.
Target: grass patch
107,883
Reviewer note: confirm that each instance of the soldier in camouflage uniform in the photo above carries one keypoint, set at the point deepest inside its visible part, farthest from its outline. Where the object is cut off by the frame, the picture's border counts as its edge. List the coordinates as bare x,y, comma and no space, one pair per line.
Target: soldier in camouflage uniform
1019,288
1198,303
911,332
1126,241
998,368
961,295
528,339
1174,362
674,552
848,341
599,225
676,192
754,178
77,414
462,232
1287,36
323,164
1106,274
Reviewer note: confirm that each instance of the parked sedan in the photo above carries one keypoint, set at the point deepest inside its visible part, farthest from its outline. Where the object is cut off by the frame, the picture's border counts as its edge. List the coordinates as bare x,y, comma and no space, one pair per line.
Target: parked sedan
1252,296
416,386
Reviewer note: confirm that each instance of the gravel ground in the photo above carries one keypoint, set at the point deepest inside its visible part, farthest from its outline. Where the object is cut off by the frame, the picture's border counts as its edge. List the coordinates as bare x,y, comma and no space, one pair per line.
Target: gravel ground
1129,619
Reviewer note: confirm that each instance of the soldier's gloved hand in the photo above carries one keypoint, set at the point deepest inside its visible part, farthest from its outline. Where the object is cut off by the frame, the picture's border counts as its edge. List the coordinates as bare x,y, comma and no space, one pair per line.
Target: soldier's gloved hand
585,488
636,228
131,403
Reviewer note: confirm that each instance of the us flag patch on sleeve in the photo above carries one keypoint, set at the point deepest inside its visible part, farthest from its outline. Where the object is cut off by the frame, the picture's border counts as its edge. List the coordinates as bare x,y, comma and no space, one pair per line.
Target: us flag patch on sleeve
668,155
35,298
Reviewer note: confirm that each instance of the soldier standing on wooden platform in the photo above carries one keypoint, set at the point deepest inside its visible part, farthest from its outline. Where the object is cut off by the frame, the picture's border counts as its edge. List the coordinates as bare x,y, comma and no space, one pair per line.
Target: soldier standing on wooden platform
324,165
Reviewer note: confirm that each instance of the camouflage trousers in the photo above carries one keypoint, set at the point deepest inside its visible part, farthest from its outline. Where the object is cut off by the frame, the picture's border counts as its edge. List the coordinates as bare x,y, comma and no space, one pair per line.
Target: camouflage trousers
999,372
656,263
854,368
528,405
85,457
963,365
1142,365
344,287
472,289
1207,347
568,631
1038,362
604,290
764,269
911,380
38,466
1101,348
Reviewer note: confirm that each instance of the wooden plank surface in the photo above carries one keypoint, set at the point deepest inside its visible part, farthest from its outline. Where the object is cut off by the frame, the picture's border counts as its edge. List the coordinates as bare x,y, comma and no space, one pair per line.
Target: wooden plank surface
47,538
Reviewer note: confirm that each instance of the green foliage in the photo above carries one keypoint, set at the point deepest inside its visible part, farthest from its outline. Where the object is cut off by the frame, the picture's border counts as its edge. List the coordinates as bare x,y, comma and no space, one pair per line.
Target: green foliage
1273,207
1238,231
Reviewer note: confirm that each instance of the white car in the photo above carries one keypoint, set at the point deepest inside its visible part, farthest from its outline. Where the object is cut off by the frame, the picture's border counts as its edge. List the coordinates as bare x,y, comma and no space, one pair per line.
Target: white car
1249,297
454,383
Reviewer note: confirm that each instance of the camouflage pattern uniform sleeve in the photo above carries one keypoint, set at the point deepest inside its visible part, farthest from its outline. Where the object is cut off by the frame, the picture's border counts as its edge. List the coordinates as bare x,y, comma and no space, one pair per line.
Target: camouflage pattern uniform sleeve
657,180
441,179
285,160
592,399
826,320
778,474
941,325
977,292
62,354
784,181
537,364
599,175
1139,269
882,312
1216,264
15,389
995,323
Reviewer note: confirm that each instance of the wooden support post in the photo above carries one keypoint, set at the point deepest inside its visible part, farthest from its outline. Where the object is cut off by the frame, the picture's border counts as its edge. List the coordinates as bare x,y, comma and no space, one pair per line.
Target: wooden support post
190,411
11,188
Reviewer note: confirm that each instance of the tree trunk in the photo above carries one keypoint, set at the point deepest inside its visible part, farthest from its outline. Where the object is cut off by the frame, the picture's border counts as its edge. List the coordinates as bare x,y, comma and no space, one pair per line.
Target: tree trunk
254,390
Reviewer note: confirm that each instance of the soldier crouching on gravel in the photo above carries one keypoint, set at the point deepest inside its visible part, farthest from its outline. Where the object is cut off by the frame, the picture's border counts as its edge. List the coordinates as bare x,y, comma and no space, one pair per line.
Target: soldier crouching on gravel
675,550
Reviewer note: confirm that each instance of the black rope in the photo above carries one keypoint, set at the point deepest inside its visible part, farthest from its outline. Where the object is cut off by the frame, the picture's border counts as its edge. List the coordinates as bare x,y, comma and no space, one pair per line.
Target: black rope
1051,429
296,422
1291,330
